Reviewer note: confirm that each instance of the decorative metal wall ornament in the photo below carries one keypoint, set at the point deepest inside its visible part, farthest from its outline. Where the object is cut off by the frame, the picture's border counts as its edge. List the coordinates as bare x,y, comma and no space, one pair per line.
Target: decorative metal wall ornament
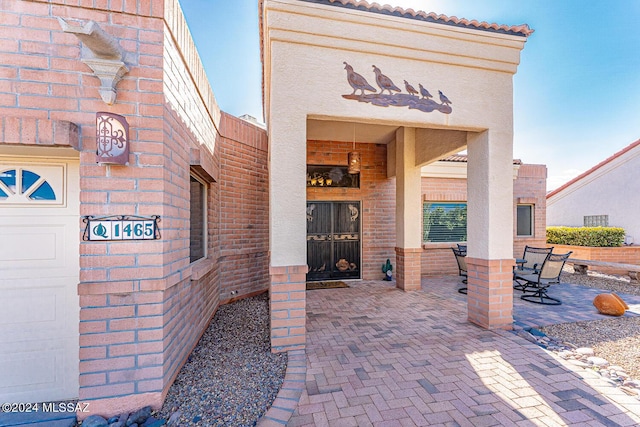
354,160
353,211
112,139
413,99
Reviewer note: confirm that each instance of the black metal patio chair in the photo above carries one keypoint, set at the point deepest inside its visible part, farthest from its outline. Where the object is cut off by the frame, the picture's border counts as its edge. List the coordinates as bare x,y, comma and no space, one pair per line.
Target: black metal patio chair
535,284
460,255
533,259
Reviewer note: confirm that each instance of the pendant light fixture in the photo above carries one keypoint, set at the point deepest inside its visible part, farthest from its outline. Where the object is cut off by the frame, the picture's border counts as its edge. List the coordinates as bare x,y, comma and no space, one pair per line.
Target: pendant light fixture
354,156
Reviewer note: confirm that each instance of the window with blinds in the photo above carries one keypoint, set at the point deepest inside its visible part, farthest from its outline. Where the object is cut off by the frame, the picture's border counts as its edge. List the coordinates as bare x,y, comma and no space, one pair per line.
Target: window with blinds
444,222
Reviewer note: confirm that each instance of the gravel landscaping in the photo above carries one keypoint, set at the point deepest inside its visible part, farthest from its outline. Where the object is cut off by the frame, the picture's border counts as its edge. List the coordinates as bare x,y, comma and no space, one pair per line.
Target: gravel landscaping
231,377
616,339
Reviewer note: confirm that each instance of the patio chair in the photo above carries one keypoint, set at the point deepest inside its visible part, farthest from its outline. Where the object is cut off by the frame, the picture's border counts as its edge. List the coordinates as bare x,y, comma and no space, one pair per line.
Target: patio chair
536,284
462,266
533,259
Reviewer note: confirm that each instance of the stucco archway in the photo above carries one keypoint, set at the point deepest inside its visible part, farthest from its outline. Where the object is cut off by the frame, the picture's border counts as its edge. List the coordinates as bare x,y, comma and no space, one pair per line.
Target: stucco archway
313,71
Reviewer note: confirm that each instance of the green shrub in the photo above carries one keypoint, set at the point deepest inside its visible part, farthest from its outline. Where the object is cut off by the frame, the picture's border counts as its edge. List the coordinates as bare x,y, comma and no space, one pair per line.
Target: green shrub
586,236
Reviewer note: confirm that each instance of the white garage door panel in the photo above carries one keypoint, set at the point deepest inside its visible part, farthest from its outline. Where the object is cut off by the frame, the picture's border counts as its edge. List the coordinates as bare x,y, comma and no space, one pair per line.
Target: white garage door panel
29,244
25,247
39,273
50,376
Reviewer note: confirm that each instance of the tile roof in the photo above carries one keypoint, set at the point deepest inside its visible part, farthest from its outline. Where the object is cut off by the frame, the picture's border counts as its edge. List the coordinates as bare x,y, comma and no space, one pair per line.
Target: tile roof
462,158
595,168
519,30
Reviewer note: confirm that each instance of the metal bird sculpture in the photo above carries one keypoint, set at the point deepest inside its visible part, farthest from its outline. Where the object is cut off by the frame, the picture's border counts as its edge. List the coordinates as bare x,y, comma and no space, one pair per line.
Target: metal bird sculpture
384,82
424,92
356,81
444,99
412,90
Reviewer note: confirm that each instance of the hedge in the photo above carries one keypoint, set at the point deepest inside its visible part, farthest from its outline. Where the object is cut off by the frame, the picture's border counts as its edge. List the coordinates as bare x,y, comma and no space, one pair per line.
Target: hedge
586,236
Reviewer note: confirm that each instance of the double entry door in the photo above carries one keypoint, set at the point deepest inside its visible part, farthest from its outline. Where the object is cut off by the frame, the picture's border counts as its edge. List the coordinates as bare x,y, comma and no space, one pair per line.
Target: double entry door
333,240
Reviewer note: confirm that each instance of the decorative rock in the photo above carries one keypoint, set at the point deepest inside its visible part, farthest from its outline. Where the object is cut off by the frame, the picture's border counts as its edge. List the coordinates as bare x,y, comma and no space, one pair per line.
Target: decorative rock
117,424
527,336
95,421
624,304
139,416
112,420
174,418
610,304
154,422
585,351
597,361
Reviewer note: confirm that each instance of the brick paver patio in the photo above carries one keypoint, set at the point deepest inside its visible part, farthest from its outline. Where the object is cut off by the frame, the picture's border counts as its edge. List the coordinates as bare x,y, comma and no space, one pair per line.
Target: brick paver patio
379,356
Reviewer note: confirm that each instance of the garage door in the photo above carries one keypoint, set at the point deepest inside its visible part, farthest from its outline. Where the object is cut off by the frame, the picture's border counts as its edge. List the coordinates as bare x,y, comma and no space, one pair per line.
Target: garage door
39,268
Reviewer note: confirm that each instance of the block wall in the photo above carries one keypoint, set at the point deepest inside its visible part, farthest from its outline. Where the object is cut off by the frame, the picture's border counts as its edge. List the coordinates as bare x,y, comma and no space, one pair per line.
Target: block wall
376,195
143,304
528,188
244,208
437,258
531,188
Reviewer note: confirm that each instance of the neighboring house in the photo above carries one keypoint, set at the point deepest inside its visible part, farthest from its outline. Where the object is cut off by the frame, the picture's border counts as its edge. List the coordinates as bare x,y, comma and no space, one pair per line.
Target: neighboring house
608,194
111,267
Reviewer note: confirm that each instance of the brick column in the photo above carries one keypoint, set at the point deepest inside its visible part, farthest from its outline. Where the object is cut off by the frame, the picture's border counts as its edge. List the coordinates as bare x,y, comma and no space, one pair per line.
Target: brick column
408,268
490,292
288,307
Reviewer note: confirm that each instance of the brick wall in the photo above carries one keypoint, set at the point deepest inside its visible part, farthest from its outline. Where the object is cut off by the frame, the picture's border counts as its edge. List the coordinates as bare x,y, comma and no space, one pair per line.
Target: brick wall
531,188
437,258
244,208
376,195
528,188
620,255
143,304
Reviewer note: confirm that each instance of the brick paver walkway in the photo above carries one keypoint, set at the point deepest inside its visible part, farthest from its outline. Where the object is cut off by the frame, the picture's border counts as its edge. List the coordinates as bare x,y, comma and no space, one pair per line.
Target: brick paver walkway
379,356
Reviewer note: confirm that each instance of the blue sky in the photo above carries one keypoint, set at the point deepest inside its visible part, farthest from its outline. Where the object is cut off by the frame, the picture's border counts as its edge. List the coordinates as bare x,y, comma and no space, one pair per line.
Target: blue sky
576,93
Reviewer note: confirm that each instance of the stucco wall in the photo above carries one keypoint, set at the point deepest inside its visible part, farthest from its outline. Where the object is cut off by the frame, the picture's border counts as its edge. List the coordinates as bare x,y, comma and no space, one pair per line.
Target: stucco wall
609,190
305,48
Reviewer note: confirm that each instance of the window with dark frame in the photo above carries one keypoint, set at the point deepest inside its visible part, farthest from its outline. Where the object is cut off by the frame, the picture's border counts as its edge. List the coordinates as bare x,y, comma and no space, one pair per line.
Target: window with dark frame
524,221
198,224
444,222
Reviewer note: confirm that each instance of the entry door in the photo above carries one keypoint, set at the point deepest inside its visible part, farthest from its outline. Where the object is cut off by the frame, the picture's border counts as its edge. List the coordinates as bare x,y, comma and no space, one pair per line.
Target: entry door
333,240
39,269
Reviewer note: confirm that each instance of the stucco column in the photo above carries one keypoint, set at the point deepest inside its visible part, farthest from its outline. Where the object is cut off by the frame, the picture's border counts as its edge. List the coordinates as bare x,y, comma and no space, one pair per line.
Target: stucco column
408,211
287,230
490,229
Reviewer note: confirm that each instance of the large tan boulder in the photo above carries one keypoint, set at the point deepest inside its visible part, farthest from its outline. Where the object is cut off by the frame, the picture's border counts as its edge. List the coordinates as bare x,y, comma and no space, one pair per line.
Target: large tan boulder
610,304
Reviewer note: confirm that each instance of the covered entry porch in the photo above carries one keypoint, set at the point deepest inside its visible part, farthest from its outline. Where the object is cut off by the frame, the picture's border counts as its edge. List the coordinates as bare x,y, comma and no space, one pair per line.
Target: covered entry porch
327,95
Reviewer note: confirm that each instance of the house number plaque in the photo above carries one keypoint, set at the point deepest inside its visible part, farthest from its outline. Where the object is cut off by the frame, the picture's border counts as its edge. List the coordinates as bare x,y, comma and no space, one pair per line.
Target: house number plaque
121,227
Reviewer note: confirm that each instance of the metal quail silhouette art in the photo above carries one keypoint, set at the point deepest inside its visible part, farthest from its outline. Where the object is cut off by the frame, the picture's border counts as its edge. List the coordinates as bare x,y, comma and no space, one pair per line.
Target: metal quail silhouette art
412,90
413,99
385,82
356,81
424,92
444,99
